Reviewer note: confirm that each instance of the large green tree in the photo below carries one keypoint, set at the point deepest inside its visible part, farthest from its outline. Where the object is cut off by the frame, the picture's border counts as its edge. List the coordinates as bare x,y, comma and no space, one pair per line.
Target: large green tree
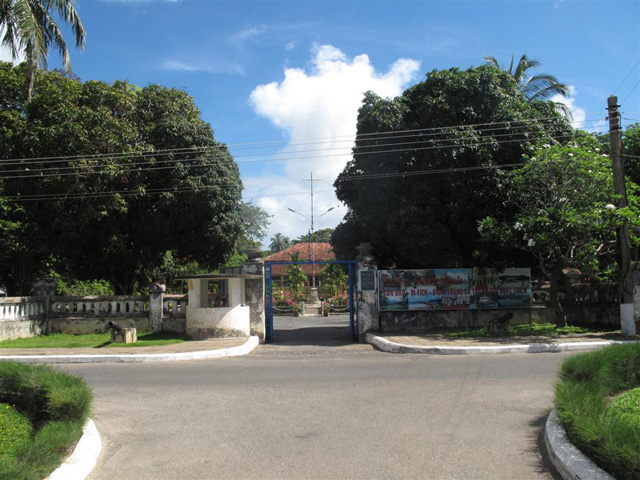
102,180
417,195
30,28
566,216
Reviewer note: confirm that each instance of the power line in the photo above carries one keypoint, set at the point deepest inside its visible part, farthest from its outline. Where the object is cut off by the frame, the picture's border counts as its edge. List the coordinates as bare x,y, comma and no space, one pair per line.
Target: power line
86,195
629,94
625,78
419,140
226,147
488,142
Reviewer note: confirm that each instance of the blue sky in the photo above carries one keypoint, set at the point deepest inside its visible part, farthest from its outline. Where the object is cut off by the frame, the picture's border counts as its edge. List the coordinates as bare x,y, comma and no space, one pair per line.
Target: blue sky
295,71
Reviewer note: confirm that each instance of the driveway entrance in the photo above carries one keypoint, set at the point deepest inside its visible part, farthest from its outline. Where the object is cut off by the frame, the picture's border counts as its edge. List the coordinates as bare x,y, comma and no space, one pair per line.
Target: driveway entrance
351,312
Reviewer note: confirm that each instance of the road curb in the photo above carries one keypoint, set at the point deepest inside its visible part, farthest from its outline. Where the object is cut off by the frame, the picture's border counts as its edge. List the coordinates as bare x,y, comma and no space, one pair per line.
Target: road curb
570,462
81,462
393,347
251,343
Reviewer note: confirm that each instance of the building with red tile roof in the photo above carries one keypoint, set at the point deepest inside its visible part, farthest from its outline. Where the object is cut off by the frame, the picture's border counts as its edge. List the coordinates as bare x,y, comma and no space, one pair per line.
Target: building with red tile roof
322,251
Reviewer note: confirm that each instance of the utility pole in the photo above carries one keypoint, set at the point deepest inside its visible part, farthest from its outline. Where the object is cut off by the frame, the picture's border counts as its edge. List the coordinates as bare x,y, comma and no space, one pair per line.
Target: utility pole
627,321
312,253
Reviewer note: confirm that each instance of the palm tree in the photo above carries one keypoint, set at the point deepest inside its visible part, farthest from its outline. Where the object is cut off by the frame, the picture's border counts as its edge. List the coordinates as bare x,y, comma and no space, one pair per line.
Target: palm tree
29,28
279,242
534,87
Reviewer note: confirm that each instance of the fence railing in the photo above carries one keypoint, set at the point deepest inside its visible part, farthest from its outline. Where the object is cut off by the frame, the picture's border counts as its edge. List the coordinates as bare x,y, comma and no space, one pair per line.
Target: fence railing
603,295
117,305
17,308
175,305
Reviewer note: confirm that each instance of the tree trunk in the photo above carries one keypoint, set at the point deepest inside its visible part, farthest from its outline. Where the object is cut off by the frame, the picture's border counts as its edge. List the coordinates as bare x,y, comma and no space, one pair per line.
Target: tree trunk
554,291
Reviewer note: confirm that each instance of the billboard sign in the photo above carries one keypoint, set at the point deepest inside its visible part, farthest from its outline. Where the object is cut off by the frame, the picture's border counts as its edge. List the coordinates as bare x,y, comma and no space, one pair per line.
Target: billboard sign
454,289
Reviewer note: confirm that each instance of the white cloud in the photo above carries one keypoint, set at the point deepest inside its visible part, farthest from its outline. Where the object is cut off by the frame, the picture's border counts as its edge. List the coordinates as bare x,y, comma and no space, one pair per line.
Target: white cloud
249,33
290,46
319,103
577,113
200,66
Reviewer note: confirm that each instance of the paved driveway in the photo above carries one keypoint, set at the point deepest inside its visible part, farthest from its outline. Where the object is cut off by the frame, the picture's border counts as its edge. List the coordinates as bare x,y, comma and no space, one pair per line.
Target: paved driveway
317,406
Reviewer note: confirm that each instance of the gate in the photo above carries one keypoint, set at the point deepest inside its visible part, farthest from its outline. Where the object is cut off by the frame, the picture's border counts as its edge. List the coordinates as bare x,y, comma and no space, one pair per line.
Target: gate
353,313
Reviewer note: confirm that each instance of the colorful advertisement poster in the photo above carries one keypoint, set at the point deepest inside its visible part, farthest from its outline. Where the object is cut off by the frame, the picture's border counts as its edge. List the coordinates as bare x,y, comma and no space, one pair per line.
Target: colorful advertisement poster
454,289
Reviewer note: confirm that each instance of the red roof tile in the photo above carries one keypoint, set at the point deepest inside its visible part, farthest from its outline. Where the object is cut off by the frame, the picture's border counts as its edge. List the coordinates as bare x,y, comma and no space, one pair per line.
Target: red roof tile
321,251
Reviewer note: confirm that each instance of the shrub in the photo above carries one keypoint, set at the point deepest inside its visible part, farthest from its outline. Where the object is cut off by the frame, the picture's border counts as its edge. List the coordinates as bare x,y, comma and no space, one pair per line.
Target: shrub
607,431
56,403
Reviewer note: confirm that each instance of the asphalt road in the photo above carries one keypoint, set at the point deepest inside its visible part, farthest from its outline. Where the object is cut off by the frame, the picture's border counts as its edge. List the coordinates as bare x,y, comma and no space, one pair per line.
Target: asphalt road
315,406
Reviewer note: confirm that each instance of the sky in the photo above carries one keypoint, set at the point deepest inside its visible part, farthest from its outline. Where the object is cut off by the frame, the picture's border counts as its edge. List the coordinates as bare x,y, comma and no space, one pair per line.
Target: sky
281,82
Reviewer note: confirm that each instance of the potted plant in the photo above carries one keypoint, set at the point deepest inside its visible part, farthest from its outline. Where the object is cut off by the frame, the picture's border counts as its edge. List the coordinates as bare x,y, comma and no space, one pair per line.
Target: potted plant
325,308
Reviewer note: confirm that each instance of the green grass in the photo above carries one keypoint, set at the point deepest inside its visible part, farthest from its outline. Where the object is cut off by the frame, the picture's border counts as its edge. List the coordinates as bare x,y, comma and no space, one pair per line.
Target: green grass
15,431
521,330
597,402
56,405
94,340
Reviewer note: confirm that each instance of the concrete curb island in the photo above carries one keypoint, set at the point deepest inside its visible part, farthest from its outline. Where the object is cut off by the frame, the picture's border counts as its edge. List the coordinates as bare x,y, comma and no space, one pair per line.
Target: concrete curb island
251,343
570,462
80,463
393,347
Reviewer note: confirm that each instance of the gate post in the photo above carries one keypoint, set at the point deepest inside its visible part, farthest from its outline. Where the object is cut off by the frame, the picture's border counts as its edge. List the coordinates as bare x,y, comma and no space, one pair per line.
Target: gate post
368,317
254,294
156,301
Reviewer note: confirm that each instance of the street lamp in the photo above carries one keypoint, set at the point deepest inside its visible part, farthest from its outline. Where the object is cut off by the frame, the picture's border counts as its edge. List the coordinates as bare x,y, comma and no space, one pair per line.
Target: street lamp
311,249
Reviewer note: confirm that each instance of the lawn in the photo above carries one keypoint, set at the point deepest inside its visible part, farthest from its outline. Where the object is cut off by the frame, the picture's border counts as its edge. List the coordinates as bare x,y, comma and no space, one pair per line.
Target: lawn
94,340
522,330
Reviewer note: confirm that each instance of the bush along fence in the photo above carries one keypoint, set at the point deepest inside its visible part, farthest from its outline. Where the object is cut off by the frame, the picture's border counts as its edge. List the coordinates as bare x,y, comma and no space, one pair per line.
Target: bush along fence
45,312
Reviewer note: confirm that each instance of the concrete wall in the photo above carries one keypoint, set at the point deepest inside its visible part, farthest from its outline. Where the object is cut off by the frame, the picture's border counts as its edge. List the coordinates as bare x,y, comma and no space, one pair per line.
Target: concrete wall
21,328
85,325
218,322
429,320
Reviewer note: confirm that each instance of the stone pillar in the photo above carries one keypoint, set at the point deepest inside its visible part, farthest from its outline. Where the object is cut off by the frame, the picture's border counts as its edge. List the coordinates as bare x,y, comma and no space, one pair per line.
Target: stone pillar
367,293
156,300
44,289
254,294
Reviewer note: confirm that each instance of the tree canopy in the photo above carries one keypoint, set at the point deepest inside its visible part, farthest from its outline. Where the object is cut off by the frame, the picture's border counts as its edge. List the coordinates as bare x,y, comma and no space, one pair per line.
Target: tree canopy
102,180
29,27
429,164
565,214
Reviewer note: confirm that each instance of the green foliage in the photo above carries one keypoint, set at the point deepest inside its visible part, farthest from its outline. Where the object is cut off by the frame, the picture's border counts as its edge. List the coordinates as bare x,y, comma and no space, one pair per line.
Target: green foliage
322,235
56,403
28,27
172,267
626,406
279,242
535,87
72,287
112,216
296,276
593,424
631,152
430,220
521,330
15,431
335,277
565,217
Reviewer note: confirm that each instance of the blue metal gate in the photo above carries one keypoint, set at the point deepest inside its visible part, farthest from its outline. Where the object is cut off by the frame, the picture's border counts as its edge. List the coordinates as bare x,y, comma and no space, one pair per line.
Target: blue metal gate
353,311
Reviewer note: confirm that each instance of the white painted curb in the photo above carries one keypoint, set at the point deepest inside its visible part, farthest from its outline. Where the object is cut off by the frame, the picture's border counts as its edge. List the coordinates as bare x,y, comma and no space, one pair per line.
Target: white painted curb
393,347
570,462
80,463
243,349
